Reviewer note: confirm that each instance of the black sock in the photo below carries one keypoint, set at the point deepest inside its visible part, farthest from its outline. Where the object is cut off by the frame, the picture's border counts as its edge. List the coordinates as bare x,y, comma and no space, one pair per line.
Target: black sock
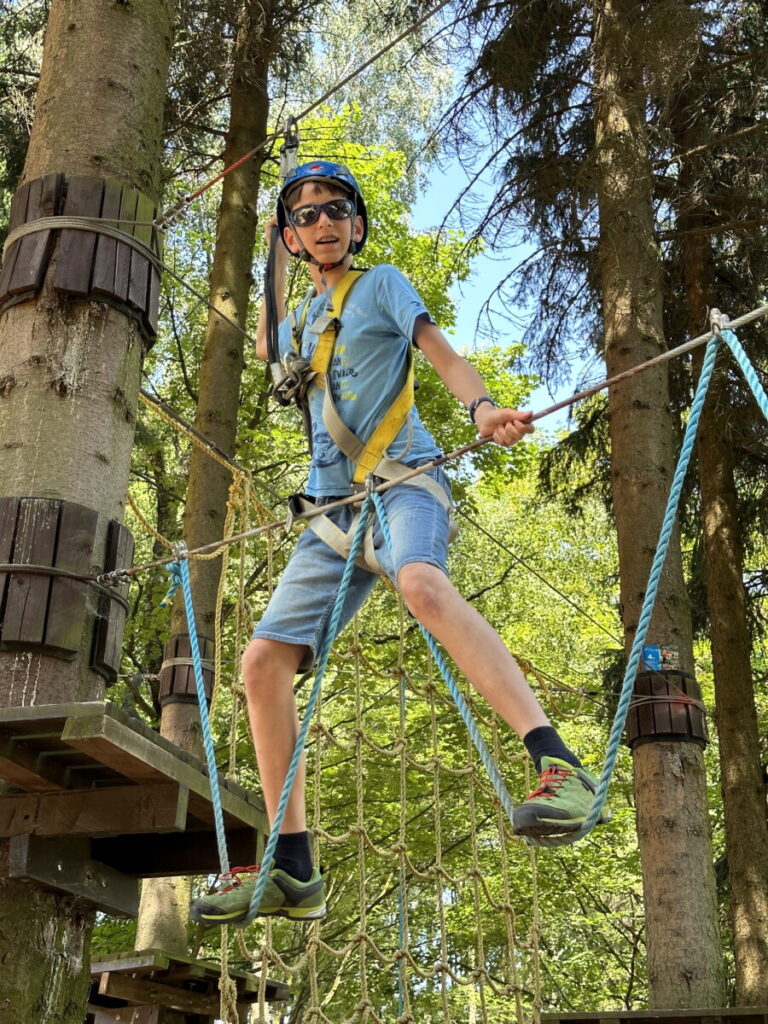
293,855
544,741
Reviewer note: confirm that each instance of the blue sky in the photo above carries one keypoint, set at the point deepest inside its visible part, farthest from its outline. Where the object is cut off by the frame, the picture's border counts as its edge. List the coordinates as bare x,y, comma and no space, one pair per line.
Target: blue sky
429,211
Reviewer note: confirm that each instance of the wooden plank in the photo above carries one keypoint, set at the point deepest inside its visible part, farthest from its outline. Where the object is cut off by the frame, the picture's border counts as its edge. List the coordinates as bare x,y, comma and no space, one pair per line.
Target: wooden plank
169,854
19,204
25,769
122,1014
140,992
645,717
138,283
128,203
40,718
168,966
65,865
152,312
661,707
75,250
105,254
115,811
67,603
143,760
34,250
9,508
27,596
141,962
110,622
131,748
17,217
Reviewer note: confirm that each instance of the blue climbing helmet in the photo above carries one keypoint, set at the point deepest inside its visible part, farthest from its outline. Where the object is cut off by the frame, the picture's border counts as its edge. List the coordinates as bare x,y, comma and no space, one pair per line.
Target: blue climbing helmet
330,174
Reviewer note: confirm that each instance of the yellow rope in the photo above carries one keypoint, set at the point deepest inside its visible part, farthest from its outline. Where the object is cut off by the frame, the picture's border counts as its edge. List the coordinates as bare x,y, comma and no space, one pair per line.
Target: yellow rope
151,530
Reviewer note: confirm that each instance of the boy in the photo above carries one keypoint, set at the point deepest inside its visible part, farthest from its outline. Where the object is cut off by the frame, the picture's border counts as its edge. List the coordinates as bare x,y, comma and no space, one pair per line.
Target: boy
323,220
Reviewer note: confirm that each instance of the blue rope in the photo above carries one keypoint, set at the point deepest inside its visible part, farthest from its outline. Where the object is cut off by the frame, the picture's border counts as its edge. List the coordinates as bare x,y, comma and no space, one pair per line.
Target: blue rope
654,579
627,689
293,768
180,578
480,744
747,369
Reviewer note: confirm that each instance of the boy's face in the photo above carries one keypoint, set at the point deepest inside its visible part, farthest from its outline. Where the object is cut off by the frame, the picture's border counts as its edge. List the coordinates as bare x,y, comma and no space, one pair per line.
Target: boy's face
327,240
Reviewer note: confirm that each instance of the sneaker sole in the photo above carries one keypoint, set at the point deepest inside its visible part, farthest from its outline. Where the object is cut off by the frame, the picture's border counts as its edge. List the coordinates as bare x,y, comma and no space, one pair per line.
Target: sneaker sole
237,917
555,826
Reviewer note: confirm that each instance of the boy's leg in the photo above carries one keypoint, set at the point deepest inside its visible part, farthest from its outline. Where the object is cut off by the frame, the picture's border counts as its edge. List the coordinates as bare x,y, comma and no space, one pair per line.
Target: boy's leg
566,790
473,644
294,888
269,671
286,641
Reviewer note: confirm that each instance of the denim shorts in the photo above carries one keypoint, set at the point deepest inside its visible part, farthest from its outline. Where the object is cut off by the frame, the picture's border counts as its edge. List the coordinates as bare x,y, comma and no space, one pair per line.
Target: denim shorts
302,603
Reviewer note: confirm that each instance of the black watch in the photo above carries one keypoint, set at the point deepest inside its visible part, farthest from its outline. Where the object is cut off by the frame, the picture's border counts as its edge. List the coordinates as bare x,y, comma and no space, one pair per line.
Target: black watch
477,401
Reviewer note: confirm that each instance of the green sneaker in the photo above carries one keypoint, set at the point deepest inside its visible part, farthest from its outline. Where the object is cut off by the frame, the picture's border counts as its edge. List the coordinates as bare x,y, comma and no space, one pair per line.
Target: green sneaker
284,896
561,802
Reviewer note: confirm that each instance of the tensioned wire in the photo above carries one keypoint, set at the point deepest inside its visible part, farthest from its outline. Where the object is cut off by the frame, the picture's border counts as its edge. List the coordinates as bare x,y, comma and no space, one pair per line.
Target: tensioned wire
167,218
123,575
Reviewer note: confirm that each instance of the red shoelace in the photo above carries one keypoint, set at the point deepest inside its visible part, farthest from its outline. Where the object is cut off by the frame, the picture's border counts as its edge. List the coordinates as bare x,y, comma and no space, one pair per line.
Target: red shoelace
232,876
550,780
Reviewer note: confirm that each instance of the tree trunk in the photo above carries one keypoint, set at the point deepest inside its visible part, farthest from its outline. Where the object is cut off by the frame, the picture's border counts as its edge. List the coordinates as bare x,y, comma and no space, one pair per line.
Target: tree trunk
217,410
70,371
684,958
746,830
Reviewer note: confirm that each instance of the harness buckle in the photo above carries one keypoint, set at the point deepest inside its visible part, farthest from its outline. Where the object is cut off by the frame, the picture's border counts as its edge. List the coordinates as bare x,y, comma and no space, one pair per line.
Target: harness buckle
323,322
295,503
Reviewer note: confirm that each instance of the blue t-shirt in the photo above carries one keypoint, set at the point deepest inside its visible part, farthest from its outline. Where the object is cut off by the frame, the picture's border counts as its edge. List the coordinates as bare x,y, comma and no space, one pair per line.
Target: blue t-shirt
367,372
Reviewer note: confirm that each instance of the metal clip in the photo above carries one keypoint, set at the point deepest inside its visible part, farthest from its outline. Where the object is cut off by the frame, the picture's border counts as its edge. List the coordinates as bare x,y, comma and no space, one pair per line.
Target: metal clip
180,550
289,147
323,322
718,321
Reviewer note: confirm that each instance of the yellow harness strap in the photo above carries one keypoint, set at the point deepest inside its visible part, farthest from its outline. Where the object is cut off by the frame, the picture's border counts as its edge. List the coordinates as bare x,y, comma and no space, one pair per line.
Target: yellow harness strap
327,326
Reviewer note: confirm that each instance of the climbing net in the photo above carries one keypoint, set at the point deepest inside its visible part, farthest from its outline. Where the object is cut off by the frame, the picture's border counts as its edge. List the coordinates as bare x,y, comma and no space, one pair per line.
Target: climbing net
423,923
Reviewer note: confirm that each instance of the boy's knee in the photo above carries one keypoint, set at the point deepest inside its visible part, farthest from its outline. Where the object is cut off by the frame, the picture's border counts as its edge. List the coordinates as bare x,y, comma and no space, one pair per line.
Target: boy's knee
421,585
266,661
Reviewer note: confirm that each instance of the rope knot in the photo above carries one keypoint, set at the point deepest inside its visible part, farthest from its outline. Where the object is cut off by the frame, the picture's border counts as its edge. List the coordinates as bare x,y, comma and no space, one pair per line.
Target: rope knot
174,568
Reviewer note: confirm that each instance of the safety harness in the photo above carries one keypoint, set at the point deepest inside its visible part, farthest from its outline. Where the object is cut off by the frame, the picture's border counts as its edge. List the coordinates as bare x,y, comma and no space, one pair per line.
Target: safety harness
368,457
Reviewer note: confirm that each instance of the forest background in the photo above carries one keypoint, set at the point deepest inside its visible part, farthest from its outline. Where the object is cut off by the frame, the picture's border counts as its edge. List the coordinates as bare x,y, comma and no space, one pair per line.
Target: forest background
537,552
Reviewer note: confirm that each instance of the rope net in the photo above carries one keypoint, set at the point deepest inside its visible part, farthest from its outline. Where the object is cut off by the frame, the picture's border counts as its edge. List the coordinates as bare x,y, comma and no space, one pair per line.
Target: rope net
423,923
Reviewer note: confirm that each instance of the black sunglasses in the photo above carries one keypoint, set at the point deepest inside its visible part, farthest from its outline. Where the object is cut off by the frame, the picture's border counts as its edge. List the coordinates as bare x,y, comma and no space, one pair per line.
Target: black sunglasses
336,209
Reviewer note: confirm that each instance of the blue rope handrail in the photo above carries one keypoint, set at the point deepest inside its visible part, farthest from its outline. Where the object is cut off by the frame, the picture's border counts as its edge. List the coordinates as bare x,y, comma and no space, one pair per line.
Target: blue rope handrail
179,571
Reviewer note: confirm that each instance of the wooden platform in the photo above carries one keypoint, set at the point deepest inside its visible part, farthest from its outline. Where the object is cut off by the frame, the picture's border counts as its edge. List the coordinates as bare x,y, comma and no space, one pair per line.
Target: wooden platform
721,1015
91,789
133,987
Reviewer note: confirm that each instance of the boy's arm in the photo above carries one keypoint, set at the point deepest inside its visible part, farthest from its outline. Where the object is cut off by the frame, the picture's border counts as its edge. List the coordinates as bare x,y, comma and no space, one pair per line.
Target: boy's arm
281,266
505,426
